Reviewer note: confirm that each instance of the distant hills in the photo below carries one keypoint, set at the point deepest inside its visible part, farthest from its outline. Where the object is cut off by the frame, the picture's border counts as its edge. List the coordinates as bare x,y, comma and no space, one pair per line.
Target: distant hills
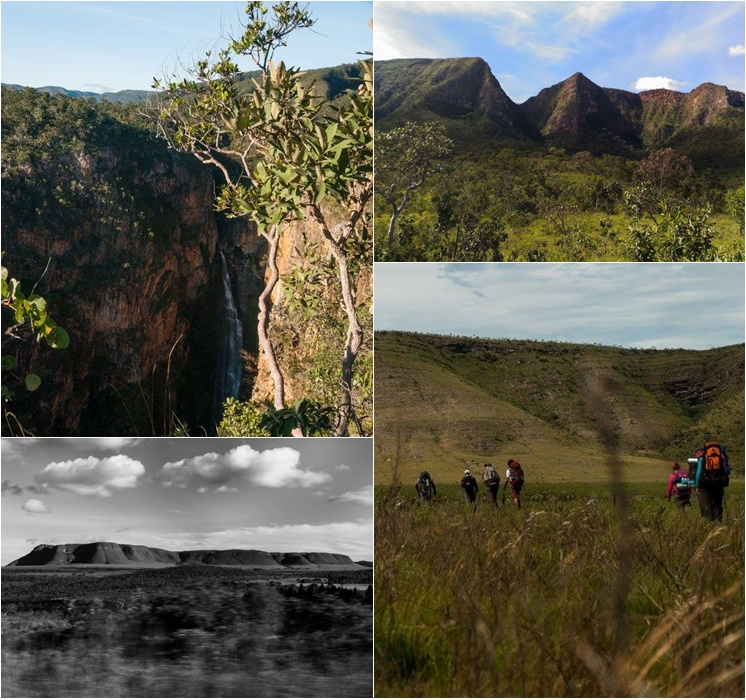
110,553
576,113
330,82
443,402
121,97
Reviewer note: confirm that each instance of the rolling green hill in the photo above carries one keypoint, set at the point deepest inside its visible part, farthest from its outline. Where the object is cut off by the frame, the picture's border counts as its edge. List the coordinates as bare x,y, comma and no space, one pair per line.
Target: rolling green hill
447,402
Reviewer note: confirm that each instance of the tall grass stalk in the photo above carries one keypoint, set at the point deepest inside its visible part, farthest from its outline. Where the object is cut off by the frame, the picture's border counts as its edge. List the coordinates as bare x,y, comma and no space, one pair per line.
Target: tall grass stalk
512,603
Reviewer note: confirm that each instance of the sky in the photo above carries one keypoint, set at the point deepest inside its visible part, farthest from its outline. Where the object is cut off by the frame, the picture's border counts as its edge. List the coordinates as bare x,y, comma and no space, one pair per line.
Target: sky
112,46
271,494
635,305
532,45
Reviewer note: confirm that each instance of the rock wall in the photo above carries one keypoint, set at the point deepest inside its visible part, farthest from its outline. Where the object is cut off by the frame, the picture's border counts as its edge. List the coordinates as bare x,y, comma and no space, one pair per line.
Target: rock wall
130,240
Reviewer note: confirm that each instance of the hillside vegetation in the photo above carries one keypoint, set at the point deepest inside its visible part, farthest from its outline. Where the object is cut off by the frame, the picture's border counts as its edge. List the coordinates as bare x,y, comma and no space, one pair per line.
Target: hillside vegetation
577,172
444,403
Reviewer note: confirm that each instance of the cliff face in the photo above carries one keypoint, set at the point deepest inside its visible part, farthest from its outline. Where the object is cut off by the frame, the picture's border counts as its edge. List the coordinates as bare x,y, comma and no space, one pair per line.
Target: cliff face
308,346
122,236
460,88
575,105
127,233
464,94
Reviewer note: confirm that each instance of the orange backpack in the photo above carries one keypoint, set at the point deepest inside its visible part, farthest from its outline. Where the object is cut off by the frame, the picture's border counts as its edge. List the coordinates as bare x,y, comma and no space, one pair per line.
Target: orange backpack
714,462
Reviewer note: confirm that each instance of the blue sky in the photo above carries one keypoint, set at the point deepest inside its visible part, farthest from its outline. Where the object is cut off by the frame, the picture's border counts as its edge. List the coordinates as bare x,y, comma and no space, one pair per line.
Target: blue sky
533,45
272,494
641,305
111,46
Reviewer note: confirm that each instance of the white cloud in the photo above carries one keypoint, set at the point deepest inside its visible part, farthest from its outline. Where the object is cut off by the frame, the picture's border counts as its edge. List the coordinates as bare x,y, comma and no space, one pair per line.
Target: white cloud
363,496
92,476
655,83
105,443
226,489
34,505
343,468
549,30
739,50
274,468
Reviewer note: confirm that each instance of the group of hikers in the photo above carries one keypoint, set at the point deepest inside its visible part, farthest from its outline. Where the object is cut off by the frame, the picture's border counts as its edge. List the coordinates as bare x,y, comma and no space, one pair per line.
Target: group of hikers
426,490
708,474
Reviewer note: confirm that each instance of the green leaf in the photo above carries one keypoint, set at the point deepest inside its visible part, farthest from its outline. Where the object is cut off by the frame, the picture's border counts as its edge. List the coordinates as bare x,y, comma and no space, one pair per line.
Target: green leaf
58,338
33,382
9,362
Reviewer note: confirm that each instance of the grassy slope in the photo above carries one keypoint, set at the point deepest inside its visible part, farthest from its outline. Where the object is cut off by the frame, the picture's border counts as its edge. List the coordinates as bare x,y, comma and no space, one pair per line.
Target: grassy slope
453,402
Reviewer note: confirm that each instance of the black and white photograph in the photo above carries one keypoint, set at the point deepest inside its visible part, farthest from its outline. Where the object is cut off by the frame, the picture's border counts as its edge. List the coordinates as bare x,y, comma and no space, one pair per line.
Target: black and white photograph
187,568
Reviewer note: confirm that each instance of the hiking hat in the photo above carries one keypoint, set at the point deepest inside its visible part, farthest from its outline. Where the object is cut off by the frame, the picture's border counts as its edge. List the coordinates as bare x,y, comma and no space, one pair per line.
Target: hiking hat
466,471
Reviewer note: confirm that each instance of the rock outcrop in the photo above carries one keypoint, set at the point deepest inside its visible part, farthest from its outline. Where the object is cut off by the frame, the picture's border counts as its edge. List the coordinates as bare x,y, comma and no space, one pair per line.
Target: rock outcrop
464,94
110,553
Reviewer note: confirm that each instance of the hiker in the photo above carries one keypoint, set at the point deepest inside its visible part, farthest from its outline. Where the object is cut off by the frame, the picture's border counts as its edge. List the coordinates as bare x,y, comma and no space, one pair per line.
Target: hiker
491,479
678,487
425,487
710,479
470,486
514,477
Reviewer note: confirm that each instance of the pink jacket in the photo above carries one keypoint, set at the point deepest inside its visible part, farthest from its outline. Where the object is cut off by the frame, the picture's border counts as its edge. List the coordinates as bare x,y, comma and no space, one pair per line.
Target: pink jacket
673,477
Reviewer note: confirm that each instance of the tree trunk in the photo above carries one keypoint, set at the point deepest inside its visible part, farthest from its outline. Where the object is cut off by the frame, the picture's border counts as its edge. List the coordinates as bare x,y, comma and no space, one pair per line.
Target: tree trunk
353,342
354,330
273,237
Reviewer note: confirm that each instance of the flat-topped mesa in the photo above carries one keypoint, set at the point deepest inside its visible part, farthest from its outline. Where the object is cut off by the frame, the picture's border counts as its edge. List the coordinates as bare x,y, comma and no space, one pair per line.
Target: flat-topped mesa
113,554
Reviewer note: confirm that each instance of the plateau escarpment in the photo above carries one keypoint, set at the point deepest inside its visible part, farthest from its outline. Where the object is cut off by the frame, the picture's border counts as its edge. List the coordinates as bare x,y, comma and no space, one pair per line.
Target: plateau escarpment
121,235
575,113
448,397
113,554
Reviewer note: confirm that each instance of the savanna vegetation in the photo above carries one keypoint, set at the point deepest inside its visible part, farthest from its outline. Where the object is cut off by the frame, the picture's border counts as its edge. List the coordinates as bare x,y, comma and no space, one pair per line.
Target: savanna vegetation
518,201
191,631
577,172
585,591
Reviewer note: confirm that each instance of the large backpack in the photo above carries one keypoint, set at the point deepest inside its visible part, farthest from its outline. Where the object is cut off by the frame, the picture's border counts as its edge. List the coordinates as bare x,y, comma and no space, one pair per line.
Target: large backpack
425,486
516,480
490,476
681,483
714,463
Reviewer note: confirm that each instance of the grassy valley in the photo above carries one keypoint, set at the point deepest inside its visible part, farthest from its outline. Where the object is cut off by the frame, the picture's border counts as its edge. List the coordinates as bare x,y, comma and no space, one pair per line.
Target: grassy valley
444,402
596,586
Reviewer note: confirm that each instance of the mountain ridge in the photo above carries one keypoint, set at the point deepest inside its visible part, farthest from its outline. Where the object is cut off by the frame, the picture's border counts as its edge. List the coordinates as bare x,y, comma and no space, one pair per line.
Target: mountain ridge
570,113
115,554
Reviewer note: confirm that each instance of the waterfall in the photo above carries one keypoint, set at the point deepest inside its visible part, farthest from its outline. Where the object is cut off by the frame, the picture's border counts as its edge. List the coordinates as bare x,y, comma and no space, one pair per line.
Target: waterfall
230,341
